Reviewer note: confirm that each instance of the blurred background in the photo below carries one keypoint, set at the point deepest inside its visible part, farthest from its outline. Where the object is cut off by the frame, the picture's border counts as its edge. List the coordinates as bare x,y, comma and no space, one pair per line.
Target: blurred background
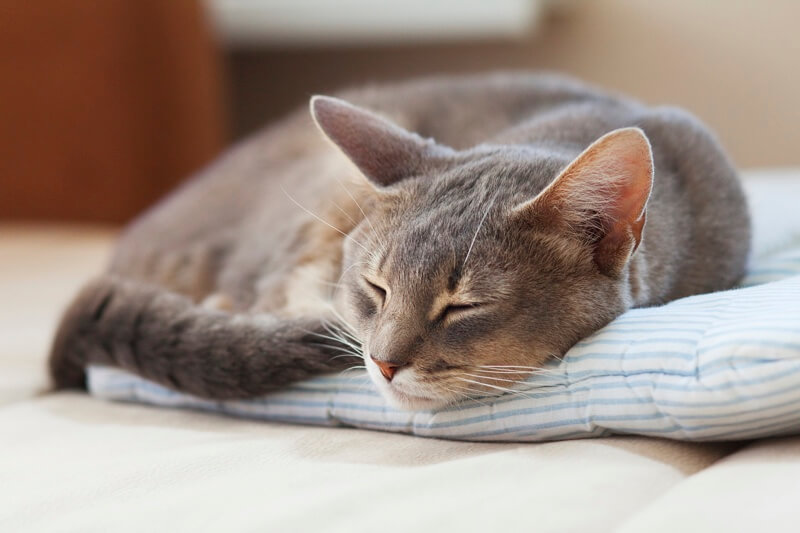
107,104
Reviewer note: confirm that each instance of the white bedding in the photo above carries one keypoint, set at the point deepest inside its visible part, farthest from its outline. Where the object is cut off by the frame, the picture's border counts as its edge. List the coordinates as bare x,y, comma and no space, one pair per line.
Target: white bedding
69,462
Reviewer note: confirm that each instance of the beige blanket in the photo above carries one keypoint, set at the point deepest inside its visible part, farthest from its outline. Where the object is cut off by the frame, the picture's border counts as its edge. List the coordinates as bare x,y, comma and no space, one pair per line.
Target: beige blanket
72,463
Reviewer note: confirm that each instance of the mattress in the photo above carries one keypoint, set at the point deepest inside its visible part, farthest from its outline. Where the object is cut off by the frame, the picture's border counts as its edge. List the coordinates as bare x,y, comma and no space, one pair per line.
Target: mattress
69,462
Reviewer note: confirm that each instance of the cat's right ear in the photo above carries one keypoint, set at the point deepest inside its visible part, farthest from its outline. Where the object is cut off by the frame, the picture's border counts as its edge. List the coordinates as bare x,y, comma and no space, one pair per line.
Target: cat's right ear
384,152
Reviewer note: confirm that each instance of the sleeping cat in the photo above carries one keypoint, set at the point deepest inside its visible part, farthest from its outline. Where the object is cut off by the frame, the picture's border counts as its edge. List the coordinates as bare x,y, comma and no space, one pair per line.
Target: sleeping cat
450,234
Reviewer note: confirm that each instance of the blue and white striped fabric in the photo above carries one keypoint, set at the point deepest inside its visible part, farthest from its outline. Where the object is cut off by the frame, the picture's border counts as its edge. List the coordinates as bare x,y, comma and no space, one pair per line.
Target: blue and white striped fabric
710,367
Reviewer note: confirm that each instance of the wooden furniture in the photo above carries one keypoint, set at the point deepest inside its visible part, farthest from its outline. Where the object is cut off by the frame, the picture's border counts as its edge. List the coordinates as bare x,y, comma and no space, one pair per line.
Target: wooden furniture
105,105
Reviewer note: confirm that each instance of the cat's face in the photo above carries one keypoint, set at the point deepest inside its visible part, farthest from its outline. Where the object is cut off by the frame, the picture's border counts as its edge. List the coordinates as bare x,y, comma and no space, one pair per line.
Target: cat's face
460,298
465,278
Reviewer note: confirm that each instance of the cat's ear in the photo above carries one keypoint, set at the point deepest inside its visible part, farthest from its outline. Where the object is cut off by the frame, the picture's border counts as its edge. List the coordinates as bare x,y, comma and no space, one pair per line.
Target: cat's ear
384,152
601,197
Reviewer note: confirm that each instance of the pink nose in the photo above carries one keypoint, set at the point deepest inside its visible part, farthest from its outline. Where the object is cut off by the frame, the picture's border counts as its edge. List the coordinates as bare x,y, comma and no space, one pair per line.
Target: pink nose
387,369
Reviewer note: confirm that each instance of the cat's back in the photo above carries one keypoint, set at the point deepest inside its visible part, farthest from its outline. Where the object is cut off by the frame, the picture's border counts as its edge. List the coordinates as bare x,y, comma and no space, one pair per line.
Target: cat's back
283,159
462,111
255,189
698,229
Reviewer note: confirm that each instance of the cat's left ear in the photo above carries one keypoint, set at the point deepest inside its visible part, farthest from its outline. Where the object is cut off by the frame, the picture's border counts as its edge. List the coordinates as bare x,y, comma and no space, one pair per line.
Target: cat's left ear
600,198
384,152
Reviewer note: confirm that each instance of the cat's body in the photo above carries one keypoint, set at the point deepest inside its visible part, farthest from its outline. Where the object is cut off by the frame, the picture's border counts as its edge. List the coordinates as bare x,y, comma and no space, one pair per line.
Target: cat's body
268,232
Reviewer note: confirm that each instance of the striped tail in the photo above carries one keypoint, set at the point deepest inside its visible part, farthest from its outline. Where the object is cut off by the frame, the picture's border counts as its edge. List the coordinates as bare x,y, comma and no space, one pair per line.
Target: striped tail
166,338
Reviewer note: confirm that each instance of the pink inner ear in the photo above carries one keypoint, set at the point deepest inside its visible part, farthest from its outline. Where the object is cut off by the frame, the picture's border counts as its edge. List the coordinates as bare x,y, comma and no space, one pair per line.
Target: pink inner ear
601,197
636,173
612,178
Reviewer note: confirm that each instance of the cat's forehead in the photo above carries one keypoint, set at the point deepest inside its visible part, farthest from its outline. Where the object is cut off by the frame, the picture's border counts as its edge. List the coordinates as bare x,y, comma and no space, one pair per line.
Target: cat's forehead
448,250
440,219
504,174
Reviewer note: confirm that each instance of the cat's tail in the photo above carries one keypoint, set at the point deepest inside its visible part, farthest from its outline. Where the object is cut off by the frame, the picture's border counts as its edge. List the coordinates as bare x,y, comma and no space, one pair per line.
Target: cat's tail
166,338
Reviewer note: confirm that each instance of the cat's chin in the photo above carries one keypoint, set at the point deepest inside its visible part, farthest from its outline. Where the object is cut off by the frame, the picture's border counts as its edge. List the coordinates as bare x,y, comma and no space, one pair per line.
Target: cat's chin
401,400
409,402
397,397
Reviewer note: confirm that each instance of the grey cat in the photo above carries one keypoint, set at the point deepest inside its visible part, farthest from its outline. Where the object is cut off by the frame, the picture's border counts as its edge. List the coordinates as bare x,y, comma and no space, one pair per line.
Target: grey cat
451,234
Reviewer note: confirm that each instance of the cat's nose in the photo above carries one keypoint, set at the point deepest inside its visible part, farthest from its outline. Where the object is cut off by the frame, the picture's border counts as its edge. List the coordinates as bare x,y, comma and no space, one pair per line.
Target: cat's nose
387,368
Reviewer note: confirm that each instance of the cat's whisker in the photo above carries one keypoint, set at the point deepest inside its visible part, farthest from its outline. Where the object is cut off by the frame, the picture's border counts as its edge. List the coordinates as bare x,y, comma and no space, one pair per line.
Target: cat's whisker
348,355
337,346
348,350
475,395
321,336
347,345
334,337
349,218
469,392
466,394
508,366
345,235
496,379
332,327
506,390
342,340
544,372
353,368
519,385
499,371
346,270
341,325
338,333
540,372
349,326
341,356
346,328
483,384
342,352
459,391
377,236
339,283
519,369
480,224
490,374
343,344
362,382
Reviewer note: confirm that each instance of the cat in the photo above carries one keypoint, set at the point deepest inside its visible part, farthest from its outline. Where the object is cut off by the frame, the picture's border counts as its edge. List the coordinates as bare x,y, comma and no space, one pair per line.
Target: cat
450,234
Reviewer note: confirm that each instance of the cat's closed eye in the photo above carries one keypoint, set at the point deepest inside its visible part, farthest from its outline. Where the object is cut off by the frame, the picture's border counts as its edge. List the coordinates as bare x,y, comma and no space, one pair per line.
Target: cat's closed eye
456,310
379,291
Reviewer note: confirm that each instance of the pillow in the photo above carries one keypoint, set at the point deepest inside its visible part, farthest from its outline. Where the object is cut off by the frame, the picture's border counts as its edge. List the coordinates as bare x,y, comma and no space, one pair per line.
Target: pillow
709,367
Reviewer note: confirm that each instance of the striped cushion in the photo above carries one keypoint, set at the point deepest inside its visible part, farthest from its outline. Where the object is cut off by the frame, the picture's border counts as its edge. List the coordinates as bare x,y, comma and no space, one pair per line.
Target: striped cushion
715,366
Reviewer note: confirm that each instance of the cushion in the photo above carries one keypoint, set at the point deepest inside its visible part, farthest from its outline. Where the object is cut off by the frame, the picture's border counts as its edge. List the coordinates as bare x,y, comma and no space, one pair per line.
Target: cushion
719,366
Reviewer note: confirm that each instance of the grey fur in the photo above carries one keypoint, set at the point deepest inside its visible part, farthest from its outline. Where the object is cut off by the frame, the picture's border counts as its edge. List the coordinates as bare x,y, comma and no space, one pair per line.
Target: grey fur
247,229
166,338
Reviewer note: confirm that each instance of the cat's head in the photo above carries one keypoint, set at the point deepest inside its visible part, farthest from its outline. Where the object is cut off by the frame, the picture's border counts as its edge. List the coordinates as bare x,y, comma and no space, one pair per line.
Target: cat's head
475,267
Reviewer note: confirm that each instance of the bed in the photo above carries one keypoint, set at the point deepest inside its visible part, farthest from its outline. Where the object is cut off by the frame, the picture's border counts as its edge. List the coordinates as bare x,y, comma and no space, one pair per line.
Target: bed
69,462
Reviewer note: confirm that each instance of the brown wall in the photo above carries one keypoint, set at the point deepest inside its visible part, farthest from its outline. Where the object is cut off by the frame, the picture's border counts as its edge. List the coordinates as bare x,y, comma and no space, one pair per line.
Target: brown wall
104,104
736,63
